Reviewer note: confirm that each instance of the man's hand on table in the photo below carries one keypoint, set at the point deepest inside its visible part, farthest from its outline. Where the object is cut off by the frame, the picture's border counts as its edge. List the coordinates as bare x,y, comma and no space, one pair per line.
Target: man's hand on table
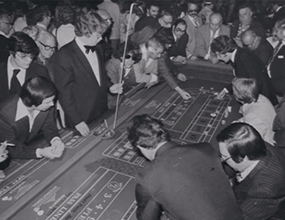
58,146
181,77
221,94
185,95
83,129
47,152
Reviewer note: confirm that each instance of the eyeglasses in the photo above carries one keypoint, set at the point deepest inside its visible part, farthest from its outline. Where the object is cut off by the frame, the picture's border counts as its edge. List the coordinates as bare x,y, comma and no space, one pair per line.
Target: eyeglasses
196,10
179,30
25,55
224,158
47,47
128,56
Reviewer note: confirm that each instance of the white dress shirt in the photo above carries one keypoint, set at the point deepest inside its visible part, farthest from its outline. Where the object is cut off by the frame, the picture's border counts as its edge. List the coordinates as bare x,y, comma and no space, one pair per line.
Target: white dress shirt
92,59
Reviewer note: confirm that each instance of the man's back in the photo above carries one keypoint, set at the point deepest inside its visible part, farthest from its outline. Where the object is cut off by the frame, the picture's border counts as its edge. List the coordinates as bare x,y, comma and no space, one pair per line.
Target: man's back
187,182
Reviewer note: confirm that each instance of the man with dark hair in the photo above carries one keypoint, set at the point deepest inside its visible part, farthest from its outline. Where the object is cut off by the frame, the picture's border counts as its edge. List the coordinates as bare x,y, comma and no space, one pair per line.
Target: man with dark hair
260,189
152,11
246,21
177,52
40,16
183,181
193,21
260,47
5,30
23,116
19,67
246,65
278,7
80,76
206,34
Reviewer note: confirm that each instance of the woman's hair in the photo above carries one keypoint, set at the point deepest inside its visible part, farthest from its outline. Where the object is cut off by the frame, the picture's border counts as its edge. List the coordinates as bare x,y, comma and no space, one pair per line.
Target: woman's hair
35,90
245,89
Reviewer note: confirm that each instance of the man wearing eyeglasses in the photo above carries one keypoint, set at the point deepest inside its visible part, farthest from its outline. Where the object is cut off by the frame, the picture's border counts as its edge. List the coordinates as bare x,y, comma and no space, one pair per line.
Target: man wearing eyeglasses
259,187
183,181
19,67
206,34
47,45
193,21
5,30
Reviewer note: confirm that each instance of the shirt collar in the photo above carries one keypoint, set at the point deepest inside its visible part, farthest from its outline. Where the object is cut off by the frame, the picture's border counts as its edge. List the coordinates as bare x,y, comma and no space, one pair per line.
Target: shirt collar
247,171
2,33
42,25
80,44
233,55
175,38
278,8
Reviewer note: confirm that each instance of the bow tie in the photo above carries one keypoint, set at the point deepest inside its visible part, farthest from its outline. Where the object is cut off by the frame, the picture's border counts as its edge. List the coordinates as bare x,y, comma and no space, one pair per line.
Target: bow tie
90,48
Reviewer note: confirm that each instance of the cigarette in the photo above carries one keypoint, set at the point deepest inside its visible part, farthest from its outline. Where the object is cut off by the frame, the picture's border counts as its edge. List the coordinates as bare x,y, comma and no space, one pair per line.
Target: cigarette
5,143
106,124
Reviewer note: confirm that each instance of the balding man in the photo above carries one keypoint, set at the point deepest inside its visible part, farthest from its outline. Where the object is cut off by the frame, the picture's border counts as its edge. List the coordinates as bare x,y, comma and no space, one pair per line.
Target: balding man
206,34
262,48
47,45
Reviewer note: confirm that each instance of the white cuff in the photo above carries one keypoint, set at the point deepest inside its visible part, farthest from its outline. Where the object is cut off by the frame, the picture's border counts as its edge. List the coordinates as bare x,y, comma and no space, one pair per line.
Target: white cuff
226,90
55,139
38,153
153,78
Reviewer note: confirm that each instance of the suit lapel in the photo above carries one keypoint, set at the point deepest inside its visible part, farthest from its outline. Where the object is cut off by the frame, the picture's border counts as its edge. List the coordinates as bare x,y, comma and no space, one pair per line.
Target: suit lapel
84,62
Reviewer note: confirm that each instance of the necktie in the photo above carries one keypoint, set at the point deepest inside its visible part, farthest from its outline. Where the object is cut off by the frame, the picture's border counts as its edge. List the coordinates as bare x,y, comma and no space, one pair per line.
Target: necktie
15,84
196,23
89,48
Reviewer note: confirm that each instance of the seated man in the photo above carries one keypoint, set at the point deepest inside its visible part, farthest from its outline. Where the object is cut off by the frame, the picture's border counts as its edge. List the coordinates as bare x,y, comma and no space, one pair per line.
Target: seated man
260,188
260,47
23,116
177,52
183,181
19,67
245,22
206,34
245,64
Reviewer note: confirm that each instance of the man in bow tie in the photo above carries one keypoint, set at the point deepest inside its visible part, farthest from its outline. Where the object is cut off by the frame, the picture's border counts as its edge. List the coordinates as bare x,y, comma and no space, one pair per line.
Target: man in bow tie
260,189
80,75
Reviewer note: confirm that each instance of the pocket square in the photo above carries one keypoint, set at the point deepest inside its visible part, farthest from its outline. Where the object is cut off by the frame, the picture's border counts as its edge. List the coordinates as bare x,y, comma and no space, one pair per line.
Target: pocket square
280,56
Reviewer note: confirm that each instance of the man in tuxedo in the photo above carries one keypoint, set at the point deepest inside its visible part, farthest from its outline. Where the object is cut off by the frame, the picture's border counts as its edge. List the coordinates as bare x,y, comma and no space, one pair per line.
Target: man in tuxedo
245,64
259,187
23,116
193,21
207,33
183,181
80,76
276,64
5,29
19,67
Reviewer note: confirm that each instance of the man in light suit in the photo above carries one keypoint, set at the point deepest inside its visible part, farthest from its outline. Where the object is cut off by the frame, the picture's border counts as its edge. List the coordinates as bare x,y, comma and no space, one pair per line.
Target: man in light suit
79,74
193,21
259,187
206,34
19,67
186,182
23,116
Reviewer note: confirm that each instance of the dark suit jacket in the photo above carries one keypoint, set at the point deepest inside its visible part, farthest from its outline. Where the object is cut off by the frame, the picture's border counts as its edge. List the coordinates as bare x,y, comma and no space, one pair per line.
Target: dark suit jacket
280,14
264,51
248,65
147,21
187,182
4,52
277,68
18,132
32,71
261,192
80,95
179,47
255,25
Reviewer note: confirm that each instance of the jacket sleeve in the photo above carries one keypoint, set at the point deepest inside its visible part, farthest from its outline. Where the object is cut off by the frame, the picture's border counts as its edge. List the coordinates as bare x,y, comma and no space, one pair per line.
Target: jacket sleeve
8,133
147,207
49,127
164,71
